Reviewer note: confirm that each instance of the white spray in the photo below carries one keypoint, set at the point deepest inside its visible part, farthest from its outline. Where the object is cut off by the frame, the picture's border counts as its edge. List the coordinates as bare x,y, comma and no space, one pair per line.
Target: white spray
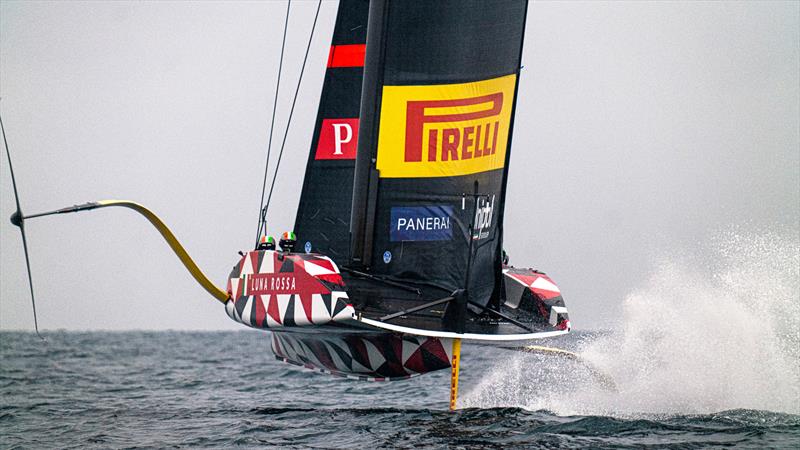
701,336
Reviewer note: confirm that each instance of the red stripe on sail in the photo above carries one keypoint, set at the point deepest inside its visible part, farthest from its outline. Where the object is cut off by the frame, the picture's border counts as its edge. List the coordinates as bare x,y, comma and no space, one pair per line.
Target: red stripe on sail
347,55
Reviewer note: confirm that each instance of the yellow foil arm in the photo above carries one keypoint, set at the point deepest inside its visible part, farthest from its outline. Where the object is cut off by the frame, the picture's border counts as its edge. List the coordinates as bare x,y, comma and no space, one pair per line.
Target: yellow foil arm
176,246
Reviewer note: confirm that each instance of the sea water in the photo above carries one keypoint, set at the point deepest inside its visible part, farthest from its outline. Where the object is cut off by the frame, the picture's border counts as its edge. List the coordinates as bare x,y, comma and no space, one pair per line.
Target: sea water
705,354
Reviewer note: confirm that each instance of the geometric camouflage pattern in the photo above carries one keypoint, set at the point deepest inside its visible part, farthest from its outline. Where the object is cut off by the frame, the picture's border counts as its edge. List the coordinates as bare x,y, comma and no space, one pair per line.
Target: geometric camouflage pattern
272,290
289,292
378,357
534,292
280,291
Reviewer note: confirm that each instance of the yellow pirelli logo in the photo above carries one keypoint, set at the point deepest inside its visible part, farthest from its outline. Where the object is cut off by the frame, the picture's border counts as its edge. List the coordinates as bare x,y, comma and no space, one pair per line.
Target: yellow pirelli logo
444,130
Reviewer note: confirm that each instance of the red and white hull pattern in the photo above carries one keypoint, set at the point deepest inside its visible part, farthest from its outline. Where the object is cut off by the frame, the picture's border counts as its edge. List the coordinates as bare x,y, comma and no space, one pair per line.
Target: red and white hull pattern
535,291
301,298
374,357
273,290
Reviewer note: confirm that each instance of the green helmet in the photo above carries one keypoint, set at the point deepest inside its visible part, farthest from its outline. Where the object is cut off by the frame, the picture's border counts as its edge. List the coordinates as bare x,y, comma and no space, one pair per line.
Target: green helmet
288,239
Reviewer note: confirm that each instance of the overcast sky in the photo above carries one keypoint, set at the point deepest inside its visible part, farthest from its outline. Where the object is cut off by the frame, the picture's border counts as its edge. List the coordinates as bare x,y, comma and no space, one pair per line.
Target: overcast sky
642,128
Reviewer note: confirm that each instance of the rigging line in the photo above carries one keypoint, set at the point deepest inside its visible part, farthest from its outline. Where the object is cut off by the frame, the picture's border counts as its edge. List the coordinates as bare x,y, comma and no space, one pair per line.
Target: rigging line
18,220
291,111
272,123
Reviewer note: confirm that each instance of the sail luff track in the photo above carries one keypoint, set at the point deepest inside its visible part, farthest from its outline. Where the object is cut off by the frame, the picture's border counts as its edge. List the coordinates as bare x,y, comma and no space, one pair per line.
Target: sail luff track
364,182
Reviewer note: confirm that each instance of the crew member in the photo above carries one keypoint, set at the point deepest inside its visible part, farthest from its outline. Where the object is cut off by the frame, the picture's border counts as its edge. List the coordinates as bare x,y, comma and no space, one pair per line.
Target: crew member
288,240
266,243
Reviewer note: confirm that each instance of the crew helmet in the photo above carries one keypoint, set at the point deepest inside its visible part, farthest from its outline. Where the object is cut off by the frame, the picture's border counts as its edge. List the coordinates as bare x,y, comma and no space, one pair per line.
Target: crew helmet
288,240
266,243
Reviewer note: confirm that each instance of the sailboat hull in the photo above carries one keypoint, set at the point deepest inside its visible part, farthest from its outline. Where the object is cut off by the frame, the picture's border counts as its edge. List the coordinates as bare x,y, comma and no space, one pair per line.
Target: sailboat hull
303,300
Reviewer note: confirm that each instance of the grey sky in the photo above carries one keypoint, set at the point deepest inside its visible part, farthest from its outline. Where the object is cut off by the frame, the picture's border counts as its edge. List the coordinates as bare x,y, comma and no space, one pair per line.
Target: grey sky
641,128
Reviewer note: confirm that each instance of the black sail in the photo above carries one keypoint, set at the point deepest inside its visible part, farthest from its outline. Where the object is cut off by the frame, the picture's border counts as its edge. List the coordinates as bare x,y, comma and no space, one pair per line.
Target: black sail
437,113
323,215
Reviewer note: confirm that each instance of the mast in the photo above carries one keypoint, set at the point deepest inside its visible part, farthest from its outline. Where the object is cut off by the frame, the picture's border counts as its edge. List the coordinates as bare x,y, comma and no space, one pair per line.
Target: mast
366,179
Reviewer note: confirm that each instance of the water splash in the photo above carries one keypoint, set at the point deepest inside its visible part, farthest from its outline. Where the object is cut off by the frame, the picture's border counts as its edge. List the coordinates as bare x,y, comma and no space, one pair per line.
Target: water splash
704,334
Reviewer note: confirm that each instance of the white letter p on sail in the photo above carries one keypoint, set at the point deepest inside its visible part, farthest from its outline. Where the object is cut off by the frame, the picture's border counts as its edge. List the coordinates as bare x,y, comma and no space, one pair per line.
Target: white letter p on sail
338,139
